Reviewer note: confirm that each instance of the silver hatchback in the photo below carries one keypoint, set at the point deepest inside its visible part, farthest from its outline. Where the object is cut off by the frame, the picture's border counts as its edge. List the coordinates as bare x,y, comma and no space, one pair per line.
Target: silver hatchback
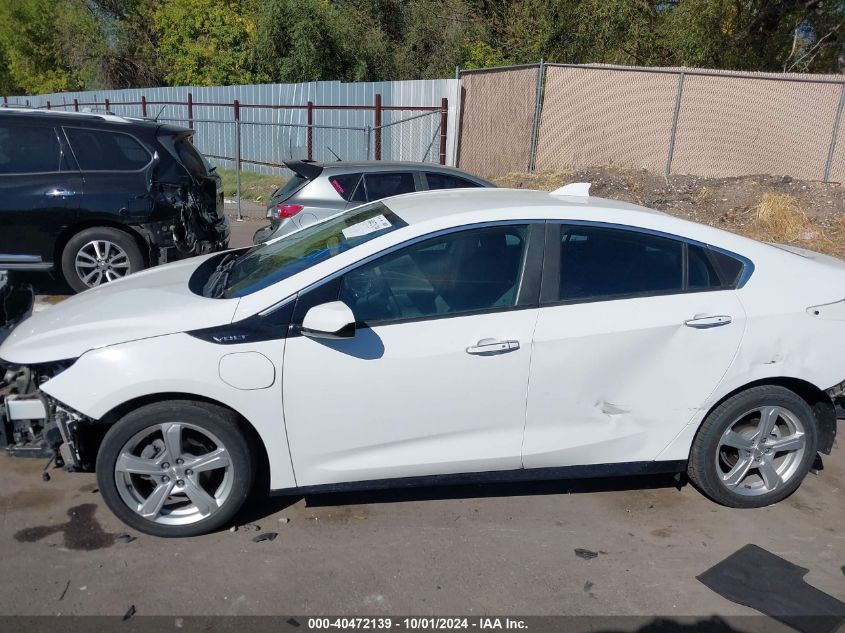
319,190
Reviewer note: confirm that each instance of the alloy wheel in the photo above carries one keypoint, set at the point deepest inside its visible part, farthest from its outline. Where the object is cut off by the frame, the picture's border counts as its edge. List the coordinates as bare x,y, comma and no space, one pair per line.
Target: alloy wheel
174,473
101,261
760,451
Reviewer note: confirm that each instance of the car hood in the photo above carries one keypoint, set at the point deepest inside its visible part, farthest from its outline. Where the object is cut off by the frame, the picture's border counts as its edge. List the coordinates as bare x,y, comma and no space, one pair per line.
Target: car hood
151,303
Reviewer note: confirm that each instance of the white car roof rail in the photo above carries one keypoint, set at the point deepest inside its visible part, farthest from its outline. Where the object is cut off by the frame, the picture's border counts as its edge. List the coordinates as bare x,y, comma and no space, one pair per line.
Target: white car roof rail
579,189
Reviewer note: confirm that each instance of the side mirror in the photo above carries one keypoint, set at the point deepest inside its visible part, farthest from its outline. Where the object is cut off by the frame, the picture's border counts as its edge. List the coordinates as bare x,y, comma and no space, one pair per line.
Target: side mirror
329,320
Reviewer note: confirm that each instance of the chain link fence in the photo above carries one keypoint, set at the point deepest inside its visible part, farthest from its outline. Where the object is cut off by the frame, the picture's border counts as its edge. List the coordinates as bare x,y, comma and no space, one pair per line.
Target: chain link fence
498,118
671,120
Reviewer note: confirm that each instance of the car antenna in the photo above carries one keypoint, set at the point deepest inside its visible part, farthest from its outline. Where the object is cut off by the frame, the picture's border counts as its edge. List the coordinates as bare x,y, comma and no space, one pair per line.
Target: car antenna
333,152
155,118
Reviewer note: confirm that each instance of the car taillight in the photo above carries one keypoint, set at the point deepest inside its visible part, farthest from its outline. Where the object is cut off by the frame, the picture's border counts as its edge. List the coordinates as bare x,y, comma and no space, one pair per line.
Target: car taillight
286,210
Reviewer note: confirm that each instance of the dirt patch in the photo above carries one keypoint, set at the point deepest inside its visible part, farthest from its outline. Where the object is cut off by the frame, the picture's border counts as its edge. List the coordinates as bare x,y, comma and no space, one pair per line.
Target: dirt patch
804,213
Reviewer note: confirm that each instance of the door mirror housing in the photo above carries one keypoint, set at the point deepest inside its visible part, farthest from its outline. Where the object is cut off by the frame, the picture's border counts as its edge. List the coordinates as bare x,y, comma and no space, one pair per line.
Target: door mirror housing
329,320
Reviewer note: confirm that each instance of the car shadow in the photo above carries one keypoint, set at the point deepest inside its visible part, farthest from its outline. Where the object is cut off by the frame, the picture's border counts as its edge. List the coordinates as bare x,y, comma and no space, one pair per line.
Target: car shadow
43,283
262,505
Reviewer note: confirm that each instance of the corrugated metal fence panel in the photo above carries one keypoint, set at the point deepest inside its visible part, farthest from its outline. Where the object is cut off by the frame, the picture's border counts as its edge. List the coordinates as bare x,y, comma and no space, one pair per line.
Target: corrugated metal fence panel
347,133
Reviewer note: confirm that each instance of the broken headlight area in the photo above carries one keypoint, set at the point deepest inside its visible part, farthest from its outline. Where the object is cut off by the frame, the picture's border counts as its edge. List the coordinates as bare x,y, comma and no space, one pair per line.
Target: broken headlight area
32,424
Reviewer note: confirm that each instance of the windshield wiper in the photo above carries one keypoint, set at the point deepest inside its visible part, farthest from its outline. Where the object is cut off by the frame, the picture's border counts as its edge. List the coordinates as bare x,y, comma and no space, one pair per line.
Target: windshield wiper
216,284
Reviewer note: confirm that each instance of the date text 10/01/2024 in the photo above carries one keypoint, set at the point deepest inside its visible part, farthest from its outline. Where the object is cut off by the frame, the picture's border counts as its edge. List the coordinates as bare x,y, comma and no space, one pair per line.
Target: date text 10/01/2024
417,623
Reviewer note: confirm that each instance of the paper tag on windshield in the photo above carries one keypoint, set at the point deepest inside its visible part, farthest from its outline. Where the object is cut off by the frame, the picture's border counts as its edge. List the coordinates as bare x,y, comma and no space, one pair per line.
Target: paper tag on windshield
376,223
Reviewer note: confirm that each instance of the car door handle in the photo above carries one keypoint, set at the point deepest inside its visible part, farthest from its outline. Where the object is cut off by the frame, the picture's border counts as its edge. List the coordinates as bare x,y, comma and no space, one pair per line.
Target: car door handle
705,321
60,193
488,346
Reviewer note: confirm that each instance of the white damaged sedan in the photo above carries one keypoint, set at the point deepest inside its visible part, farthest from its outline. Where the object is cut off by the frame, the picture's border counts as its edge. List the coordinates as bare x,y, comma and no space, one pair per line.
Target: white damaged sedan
481,334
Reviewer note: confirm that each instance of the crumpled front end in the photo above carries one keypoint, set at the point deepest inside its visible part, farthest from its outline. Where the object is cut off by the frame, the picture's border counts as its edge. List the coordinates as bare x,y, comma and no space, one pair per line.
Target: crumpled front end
32,424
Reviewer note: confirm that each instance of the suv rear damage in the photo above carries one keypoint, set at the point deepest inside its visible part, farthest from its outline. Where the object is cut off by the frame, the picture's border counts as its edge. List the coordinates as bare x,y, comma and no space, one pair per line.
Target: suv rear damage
97,197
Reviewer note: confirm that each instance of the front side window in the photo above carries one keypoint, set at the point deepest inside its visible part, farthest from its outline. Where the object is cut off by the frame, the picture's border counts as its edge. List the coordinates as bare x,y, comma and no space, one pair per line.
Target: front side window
383,185
465,272
447,181
604,263
271,262
99,150
28,149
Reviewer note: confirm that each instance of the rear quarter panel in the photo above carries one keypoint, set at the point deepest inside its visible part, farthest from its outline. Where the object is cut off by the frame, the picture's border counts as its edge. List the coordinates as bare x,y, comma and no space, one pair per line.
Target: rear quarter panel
783,337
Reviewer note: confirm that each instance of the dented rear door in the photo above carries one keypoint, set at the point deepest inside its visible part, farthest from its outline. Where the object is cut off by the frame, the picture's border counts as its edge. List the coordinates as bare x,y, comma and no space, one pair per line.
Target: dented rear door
614,380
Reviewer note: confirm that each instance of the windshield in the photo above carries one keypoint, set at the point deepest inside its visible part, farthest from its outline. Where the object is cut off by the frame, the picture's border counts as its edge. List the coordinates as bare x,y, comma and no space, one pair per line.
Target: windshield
268,263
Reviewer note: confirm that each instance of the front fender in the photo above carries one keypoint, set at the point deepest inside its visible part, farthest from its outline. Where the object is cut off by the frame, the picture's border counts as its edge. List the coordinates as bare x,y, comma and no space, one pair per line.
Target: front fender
106,378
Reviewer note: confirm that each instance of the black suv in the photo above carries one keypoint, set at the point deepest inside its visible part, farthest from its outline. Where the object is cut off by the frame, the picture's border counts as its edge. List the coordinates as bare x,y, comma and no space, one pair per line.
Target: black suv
99,196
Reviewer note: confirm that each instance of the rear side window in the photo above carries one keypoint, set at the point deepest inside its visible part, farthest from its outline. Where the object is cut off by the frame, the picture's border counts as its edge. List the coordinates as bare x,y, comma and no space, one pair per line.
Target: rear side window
383,185
190,157
729,267
447,181
701,270
289,188
99,150
599,263
28,149
345,184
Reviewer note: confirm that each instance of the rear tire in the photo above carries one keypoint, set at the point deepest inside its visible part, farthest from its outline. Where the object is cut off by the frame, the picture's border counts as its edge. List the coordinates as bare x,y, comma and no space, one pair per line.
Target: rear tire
755,448
176,468
98,255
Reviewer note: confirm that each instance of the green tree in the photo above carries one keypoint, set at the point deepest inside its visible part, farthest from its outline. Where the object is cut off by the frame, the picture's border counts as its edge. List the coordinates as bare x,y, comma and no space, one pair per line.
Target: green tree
33,50
205,42
128,55
311,40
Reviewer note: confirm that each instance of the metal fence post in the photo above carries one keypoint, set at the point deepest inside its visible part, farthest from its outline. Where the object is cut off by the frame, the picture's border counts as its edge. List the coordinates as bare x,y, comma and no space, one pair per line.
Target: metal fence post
143,106
237,109
309,134
836,122
444,121
48,105
535,123
190,111
678,96
107,105
377,126
368,130
76,105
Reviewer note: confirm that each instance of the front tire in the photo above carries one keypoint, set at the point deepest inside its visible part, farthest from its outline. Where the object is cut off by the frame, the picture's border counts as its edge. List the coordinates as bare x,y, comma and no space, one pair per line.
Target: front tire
175,468
98,255
755,448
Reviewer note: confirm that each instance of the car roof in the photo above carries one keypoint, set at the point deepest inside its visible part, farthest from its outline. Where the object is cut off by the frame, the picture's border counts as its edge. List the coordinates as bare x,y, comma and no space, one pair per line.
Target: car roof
384,165
428,205
457,207
106,119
